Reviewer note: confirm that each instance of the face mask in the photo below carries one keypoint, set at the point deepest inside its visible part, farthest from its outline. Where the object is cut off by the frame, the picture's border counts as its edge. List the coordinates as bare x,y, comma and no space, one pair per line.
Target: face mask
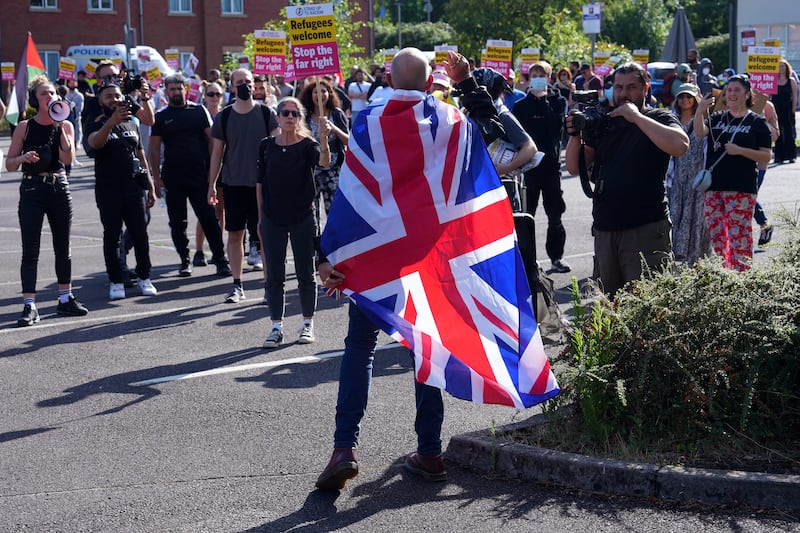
243,92
706,71
538,84
609,94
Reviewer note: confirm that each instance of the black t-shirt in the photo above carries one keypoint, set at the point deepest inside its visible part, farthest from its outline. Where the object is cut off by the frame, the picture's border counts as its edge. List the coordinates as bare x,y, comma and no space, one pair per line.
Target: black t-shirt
287,179
736,172
629,173
183,132
543,119
113,163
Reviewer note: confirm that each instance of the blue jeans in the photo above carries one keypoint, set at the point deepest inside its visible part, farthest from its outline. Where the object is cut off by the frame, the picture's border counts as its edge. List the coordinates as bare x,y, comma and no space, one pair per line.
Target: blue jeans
355,380
759,214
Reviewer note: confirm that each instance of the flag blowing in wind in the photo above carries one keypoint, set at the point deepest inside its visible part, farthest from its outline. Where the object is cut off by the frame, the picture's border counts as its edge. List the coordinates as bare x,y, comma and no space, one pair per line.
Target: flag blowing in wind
29,67
422,229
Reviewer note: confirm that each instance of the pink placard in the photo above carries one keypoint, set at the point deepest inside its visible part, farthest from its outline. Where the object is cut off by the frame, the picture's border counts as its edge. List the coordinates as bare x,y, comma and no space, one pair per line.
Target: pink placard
194,90
764,82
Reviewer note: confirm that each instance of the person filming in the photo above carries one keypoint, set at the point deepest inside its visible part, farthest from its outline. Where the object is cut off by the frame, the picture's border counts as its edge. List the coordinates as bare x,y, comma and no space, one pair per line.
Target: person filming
627,149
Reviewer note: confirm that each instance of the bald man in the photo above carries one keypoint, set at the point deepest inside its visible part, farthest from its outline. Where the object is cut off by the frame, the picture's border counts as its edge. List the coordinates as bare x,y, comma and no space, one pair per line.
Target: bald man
410,77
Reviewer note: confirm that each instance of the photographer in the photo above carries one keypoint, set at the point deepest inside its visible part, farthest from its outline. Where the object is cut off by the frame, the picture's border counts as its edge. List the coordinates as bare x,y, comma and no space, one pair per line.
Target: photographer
121,179
627,152
141,108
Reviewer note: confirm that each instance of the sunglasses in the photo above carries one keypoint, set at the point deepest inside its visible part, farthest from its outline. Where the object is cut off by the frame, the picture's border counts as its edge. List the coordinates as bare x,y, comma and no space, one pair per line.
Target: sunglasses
213,95
290,112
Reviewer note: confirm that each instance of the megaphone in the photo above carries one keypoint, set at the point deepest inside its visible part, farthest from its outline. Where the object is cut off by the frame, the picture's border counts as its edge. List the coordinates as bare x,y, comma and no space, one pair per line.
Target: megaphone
58,110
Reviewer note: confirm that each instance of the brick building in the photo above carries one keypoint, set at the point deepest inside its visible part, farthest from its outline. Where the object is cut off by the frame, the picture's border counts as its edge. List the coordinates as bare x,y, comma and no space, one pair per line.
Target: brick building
205,28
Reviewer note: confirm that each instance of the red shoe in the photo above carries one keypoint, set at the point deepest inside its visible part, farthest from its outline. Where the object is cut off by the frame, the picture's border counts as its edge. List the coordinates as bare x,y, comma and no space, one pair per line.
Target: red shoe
342,466
430,468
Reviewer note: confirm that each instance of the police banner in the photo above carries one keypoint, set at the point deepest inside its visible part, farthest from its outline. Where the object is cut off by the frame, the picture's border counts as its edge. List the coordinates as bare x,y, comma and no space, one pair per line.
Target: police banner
312,32
498,56
269,56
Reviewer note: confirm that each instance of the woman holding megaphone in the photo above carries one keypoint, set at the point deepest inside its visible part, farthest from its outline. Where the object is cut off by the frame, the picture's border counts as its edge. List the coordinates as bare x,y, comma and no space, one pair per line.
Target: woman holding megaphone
43,146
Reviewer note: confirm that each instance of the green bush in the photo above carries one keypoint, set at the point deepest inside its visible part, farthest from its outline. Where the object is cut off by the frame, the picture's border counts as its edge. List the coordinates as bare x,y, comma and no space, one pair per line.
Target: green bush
716,48
690,356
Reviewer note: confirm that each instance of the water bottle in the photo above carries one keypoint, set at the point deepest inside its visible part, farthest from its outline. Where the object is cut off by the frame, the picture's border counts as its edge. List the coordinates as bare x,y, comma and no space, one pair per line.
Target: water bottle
163,200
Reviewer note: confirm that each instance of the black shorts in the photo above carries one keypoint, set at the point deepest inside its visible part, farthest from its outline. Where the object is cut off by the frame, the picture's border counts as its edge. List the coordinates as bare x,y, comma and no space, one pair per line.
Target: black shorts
241,207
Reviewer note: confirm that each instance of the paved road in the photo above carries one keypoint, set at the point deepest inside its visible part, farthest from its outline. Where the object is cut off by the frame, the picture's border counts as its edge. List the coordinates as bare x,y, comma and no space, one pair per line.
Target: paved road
239,447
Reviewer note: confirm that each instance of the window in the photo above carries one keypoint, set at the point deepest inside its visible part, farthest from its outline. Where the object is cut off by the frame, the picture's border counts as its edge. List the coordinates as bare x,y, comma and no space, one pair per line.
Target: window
101,5
45,4
183,58
50,59
180,6
232,7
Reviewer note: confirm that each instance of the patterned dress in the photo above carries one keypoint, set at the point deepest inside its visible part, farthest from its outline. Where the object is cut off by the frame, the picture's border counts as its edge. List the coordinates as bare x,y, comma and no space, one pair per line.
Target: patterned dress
690,238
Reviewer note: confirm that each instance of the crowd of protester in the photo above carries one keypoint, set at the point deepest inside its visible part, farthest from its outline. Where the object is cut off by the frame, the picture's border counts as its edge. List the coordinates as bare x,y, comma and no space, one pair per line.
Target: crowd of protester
236,110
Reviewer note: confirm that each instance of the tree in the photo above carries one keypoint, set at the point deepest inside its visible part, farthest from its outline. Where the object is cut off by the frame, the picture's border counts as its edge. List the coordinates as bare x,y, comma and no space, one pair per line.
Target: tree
347,32
637,24
420,35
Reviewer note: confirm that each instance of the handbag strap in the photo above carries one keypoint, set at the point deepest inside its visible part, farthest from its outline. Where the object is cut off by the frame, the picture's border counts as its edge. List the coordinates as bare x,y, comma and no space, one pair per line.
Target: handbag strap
746,115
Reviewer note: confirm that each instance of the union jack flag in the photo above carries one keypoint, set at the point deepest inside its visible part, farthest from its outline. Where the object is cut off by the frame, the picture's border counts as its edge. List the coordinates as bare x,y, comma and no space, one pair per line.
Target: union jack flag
422,229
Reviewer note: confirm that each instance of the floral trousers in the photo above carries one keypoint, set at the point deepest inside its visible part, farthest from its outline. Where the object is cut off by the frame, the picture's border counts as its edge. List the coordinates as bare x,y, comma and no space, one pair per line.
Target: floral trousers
729,216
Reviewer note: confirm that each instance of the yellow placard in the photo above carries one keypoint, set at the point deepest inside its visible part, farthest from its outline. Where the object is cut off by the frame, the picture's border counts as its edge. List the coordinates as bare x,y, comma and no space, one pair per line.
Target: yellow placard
530,55
7,68
312,30
66,64
772,42
153,73
763,63
641,56
498,53
600,58
270,47
440,53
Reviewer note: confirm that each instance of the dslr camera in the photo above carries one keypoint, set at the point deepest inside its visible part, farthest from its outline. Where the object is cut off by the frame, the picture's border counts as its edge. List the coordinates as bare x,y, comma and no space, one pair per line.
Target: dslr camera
594,115
131,82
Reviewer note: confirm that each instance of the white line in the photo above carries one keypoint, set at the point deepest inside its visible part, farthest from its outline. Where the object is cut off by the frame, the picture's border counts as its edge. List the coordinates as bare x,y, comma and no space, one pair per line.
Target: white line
251,366
83,320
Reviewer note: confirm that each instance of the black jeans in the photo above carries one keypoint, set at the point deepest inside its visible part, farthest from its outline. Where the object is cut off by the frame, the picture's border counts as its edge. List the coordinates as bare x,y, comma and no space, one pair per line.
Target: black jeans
276,237
178,192
38,198
115,208
548,183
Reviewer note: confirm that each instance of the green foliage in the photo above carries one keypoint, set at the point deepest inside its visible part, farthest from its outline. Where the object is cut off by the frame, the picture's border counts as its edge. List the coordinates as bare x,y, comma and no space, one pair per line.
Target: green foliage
562,38
707,17
348,32
421,35
412,10
689,356
637,24
716,49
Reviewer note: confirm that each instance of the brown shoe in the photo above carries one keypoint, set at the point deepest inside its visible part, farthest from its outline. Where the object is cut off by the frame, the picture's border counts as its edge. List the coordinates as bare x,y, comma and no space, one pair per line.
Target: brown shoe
342,466
430,468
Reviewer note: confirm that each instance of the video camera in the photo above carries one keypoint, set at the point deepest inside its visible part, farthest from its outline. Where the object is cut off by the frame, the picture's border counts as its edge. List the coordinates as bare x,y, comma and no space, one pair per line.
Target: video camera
593,116
131,82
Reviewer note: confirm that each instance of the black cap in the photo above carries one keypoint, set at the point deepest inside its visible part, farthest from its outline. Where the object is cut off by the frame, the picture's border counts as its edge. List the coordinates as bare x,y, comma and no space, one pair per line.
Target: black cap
491,79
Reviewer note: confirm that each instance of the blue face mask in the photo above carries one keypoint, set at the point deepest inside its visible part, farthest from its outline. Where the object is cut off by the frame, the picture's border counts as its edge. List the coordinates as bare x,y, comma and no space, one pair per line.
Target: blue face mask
538,84
609,93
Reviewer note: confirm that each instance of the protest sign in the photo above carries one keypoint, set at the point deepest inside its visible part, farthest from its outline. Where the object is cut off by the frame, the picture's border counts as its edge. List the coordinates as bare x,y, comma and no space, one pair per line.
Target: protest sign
642,57
191,65
90,68
498,56
269,49
66,68
440,53
173,57
388,56
194,90
312,32
528,56
763,65
154,77
7,68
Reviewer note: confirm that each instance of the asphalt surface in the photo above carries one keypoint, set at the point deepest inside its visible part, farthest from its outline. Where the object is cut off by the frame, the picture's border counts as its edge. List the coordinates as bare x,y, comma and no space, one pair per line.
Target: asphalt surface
82,449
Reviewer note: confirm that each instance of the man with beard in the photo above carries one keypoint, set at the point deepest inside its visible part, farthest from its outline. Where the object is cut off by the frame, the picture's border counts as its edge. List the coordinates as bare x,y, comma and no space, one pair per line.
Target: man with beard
185,129
112,139
236,135
627,152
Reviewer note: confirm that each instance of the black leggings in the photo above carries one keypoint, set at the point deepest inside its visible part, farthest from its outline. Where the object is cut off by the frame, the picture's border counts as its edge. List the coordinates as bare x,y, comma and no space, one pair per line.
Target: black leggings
38,198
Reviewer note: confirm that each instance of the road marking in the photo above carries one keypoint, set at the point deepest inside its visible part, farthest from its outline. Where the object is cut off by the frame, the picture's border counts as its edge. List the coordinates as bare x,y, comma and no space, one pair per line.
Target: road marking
92,320
250,366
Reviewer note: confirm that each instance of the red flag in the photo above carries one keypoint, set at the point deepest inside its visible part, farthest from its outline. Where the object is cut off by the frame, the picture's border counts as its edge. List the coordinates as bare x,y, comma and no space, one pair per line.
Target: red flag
30,66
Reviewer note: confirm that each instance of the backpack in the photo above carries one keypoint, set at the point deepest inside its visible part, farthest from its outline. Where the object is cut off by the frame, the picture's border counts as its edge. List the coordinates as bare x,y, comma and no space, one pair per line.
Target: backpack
666,97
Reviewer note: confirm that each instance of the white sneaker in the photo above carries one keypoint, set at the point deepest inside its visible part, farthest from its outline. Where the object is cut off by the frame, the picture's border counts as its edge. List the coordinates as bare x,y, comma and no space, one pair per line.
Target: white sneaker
251,255
116,291
306,334
254,259
147,287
